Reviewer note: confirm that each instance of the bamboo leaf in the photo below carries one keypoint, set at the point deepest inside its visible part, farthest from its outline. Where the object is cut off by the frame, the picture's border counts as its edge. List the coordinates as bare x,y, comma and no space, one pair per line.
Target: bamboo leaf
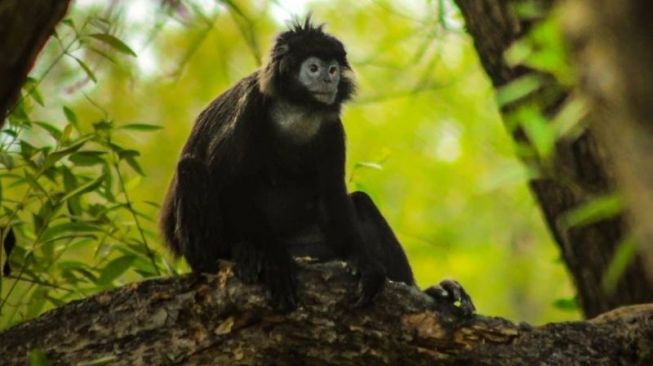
114,42
115,268
84,188
87,70
623,256
593,211
70,116
141,127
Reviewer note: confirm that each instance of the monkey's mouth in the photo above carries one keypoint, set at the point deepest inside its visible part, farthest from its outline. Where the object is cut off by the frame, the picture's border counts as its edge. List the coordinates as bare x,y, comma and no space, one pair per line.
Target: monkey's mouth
327,97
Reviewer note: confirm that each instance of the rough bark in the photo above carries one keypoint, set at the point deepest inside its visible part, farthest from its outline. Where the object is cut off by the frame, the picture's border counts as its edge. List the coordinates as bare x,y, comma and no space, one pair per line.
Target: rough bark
217,320
614,49
579,173
25,26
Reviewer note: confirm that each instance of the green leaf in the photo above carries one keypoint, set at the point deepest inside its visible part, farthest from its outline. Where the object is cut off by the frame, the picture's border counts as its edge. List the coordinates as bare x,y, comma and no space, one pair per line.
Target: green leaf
518,89
59,154
26,150
7,160
368,164
623,256
114,42
115,268
36,95
38,358
103,125
566,304
69,22
538,129
140,127
52,130
597,209
134,165
568,120
36,302
103,54
34,183
84,188
78,228
130,153
82,268
87,158
73,204
70,116
87,70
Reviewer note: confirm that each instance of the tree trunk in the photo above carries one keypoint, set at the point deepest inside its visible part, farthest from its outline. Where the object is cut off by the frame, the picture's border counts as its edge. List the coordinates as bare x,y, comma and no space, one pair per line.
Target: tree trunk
25,26
579,172
217,320
613,46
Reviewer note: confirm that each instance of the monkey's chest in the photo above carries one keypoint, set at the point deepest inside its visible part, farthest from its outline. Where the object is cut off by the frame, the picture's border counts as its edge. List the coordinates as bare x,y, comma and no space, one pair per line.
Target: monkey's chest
289,204
295,125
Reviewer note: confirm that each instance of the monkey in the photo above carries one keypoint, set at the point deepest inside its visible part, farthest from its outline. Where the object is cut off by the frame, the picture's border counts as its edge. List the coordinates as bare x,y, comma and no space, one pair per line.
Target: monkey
261,179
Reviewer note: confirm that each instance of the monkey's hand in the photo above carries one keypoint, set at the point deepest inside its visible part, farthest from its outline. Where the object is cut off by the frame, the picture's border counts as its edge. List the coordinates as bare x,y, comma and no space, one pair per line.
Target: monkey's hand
280,281
451,291
371,283
275,269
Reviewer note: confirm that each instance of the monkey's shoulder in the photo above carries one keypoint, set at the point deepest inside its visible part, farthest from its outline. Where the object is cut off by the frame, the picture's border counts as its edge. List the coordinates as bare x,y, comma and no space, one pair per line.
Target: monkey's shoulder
241,97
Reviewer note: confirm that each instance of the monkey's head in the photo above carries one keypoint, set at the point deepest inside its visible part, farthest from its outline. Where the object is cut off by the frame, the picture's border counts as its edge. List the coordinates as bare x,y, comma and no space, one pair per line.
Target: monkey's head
309,67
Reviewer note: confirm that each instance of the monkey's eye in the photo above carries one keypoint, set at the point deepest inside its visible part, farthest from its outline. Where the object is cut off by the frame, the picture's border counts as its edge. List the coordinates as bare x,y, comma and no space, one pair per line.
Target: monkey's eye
332,70
313,68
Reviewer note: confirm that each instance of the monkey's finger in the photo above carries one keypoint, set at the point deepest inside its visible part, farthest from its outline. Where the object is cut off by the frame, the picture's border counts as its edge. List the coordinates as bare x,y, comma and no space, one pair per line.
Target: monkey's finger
458,296
371,286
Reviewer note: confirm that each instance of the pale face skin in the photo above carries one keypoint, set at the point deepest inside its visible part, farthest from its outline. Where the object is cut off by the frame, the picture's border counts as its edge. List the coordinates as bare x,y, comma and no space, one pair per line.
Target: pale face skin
320,78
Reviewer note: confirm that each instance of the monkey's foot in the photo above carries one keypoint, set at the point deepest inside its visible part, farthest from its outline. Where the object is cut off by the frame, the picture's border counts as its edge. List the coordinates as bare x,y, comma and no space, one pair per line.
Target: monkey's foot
276,271
248,263
280,283
453,292
372,282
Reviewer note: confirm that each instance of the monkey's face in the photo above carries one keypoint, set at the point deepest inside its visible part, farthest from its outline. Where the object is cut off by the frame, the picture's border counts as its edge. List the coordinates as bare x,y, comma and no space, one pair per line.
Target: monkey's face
320,78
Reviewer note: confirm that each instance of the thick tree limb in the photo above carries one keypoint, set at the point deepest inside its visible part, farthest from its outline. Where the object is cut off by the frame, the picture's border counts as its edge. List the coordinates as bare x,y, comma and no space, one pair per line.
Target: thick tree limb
217,320
25,26
579,173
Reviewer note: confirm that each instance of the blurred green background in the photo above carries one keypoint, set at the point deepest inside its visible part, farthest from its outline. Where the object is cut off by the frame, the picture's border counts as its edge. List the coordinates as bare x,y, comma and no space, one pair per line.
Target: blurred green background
425,139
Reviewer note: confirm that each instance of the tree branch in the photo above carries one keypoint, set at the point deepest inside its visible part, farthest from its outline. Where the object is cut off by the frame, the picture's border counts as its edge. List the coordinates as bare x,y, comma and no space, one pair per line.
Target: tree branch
217,320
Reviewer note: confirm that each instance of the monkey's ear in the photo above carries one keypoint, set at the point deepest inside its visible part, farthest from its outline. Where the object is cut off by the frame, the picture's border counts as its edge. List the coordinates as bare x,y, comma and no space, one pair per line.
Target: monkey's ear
282,49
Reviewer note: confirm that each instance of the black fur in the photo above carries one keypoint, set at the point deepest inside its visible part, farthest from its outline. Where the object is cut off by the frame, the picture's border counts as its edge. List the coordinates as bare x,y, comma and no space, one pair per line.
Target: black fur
242,192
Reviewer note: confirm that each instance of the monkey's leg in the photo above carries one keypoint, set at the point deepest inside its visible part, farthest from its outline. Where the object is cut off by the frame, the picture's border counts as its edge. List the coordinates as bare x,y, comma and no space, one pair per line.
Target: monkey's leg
197,215
381,242
258,254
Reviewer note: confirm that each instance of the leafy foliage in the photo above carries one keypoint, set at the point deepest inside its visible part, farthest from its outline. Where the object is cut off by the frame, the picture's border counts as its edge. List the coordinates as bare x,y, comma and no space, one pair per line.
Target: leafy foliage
78,230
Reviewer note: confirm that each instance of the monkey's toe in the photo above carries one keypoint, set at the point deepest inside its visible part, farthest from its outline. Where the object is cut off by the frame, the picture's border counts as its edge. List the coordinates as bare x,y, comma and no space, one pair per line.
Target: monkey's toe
281,291
452,292
372,282
248,263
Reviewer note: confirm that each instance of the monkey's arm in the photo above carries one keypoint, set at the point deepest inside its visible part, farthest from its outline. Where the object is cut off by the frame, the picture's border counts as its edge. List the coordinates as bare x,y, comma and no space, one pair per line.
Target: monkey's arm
340,224
198,219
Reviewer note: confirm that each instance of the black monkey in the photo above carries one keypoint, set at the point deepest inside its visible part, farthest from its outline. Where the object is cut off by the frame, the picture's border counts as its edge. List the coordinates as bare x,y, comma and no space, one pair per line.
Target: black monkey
261,178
